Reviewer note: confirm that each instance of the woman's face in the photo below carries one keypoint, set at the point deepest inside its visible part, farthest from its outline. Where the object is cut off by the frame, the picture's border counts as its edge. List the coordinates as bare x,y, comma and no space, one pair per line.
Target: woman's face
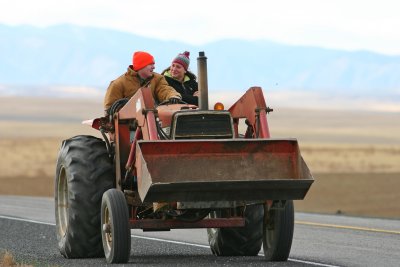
177,71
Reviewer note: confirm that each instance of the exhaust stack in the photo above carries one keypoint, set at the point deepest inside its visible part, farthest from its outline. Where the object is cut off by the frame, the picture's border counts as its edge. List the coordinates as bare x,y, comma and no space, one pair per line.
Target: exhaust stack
202,80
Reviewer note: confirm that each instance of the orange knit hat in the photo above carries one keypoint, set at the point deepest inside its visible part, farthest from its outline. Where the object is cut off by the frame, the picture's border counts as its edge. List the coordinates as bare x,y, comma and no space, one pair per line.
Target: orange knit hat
141,59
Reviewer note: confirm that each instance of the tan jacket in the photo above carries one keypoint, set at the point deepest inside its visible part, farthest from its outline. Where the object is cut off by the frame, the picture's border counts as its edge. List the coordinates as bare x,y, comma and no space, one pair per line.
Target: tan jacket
126,85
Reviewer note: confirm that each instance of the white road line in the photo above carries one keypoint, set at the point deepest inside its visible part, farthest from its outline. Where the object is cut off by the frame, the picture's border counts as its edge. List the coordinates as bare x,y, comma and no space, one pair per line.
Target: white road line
171,241
313,263
208,247
25,220
167,241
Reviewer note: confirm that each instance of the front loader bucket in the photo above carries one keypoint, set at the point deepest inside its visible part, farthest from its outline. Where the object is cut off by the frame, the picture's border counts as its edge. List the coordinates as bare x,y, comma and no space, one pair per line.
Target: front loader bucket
221,170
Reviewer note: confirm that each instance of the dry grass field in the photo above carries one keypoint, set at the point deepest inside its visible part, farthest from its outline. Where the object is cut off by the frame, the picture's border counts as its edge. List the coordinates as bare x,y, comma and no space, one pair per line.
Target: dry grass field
354,156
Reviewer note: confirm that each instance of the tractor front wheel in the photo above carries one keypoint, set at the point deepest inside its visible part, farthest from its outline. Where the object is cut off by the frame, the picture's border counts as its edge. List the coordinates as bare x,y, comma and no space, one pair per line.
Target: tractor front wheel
115,230
278,231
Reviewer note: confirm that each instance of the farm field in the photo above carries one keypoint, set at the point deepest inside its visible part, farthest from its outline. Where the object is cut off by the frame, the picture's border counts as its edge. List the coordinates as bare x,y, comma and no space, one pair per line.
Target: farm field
354,156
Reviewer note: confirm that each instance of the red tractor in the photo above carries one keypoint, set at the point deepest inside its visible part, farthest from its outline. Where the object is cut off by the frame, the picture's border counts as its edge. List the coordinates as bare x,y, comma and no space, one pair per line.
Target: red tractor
167,166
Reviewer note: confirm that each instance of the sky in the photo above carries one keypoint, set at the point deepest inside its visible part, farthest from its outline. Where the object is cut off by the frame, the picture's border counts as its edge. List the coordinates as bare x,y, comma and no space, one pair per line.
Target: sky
340,24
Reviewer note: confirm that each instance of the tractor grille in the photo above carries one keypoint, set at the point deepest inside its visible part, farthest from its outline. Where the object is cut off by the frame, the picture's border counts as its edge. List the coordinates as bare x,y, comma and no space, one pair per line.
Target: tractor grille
201,125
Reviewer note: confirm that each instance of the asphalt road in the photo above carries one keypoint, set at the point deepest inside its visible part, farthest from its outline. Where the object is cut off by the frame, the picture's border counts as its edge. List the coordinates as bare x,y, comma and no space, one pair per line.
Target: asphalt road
27,230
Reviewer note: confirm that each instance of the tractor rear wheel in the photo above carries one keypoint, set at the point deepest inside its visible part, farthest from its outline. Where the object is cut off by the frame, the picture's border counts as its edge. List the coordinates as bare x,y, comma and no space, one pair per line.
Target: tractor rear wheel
84,172
116,233
241,241
278,232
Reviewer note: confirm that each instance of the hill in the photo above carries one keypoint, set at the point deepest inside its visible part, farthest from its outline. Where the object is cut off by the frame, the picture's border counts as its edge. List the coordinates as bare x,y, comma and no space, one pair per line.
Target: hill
75,61
92,57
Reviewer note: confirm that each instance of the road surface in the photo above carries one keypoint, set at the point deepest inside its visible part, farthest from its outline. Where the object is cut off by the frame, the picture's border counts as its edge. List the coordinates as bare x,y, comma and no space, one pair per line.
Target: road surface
28,231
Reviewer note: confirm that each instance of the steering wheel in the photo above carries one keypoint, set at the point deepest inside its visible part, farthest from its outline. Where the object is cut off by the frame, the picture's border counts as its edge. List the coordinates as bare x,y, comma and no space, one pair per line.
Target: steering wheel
166,102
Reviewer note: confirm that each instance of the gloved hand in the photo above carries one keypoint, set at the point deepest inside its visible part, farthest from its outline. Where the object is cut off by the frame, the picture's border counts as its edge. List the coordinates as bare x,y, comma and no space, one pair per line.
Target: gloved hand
174,100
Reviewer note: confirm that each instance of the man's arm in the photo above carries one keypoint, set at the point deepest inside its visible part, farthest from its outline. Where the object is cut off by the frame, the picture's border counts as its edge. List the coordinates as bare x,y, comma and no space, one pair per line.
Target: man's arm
114,92
162,90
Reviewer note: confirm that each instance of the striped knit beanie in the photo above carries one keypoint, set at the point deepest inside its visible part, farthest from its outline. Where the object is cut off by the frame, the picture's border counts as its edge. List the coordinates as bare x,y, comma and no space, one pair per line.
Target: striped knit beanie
183,59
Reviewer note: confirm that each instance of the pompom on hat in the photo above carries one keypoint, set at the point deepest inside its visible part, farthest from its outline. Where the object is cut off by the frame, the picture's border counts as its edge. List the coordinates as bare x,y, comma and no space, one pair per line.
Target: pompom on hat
141,59
183,59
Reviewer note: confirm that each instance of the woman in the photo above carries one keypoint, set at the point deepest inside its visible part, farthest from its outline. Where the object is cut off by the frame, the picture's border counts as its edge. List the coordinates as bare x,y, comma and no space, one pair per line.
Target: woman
181,79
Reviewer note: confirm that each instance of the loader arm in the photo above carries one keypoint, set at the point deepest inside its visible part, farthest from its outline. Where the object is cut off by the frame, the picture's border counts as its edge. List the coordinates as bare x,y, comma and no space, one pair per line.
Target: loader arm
252,107
137,116
142,109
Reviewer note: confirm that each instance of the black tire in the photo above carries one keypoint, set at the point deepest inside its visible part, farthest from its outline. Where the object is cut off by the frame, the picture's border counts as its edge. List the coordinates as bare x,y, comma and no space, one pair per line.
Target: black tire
241,241
116,233
84,172
278,232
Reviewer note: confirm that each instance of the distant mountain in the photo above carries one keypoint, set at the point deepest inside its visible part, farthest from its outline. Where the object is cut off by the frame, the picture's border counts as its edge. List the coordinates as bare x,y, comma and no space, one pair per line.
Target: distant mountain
67,55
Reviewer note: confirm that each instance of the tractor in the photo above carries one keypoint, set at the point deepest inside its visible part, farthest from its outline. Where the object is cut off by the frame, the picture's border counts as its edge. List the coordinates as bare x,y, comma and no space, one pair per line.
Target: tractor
162,166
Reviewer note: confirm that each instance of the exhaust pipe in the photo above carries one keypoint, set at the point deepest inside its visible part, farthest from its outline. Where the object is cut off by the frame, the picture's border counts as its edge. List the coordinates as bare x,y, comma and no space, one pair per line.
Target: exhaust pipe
202,81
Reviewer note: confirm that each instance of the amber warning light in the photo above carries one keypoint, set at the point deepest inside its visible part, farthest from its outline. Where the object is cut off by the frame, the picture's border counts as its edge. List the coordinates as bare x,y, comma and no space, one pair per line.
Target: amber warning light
219,106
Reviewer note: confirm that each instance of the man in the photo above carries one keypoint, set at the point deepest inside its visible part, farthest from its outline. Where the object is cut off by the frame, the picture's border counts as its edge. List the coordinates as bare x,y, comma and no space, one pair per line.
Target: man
140,74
